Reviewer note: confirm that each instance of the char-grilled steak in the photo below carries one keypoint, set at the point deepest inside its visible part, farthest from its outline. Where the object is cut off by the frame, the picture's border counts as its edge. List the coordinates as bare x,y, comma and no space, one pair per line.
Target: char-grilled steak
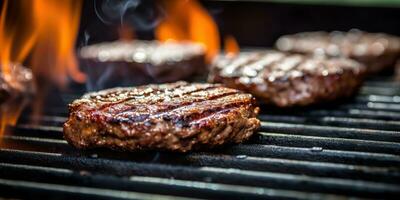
288,79
127,63
176,117
377,51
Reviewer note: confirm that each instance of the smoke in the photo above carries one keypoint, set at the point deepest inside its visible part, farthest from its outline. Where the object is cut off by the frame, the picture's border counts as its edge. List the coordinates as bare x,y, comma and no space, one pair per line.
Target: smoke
102,25
141,15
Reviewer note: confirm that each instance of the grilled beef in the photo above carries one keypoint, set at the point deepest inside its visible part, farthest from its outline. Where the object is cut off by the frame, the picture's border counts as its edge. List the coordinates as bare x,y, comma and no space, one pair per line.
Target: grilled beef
288,79
377,51
177,117
125,63
17,83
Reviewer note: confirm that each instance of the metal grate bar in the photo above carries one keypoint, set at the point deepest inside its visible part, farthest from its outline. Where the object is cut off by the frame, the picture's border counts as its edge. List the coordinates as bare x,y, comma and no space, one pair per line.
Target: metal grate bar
312,153
315,154
394,107
378,98
265,179
380,90
328,143
45,190
330,131
335,121
258,164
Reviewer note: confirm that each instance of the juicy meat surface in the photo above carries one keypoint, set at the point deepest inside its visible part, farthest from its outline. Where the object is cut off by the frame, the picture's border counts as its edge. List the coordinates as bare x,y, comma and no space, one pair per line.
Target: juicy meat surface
288,79
124,63
176,116
377,51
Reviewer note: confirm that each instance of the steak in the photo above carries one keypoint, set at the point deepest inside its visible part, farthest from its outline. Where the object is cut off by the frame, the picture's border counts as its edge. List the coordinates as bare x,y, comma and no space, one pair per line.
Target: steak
124,63
176,117
377,51
286,80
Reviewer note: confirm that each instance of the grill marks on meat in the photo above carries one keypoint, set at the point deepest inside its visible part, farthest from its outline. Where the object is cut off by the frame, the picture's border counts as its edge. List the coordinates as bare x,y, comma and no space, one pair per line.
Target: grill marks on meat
377,51
288,79
177,116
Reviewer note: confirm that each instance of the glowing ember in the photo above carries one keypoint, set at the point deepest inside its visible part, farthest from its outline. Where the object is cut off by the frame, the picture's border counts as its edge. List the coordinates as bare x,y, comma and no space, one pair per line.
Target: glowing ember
188,20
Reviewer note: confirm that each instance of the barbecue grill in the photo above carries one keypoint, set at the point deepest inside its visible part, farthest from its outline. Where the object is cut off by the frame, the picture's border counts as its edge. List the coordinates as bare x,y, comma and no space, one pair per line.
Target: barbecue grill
348,149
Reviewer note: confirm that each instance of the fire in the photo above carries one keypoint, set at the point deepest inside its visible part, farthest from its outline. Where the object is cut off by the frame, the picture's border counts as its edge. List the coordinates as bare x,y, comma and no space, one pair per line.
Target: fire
231,47
57,23
46,31
188,20
15,42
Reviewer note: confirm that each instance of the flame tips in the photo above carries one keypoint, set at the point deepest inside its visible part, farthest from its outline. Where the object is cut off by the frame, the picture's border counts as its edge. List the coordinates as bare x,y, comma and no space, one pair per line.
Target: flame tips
231,46
46,30
56,38
189,21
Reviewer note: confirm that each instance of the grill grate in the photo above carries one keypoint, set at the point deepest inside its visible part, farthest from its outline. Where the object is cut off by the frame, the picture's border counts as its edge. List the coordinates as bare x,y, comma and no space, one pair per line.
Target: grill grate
348,150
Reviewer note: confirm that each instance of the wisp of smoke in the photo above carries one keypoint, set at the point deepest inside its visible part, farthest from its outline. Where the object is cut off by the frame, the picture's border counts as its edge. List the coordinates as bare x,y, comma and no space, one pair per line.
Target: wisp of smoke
141,15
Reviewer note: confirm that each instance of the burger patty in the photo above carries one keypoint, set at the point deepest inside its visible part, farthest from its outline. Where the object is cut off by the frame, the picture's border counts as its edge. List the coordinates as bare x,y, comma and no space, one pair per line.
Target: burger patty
288,79
176,116
16,84
124,63
377,51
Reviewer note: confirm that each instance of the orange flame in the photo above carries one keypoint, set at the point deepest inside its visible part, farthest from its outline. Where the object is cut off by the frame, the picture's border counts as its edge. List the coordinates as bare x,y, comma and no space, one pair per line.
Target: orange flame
10,112
16,43
57,23
46,30
188,20
231,47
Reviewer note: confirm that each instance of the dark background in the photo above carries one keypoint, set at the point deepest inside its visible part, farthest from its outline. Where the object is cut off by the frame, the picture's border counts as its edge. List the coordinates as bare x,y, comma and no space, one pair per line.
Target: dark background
252,23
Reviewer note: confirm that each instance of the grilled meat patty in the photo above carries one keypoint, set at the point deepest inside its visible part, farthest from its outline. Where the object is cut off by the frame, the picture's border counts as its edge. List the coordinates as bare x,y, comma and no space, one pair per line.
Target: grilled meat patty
377,51
124,63
288,79
16,84
177,117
